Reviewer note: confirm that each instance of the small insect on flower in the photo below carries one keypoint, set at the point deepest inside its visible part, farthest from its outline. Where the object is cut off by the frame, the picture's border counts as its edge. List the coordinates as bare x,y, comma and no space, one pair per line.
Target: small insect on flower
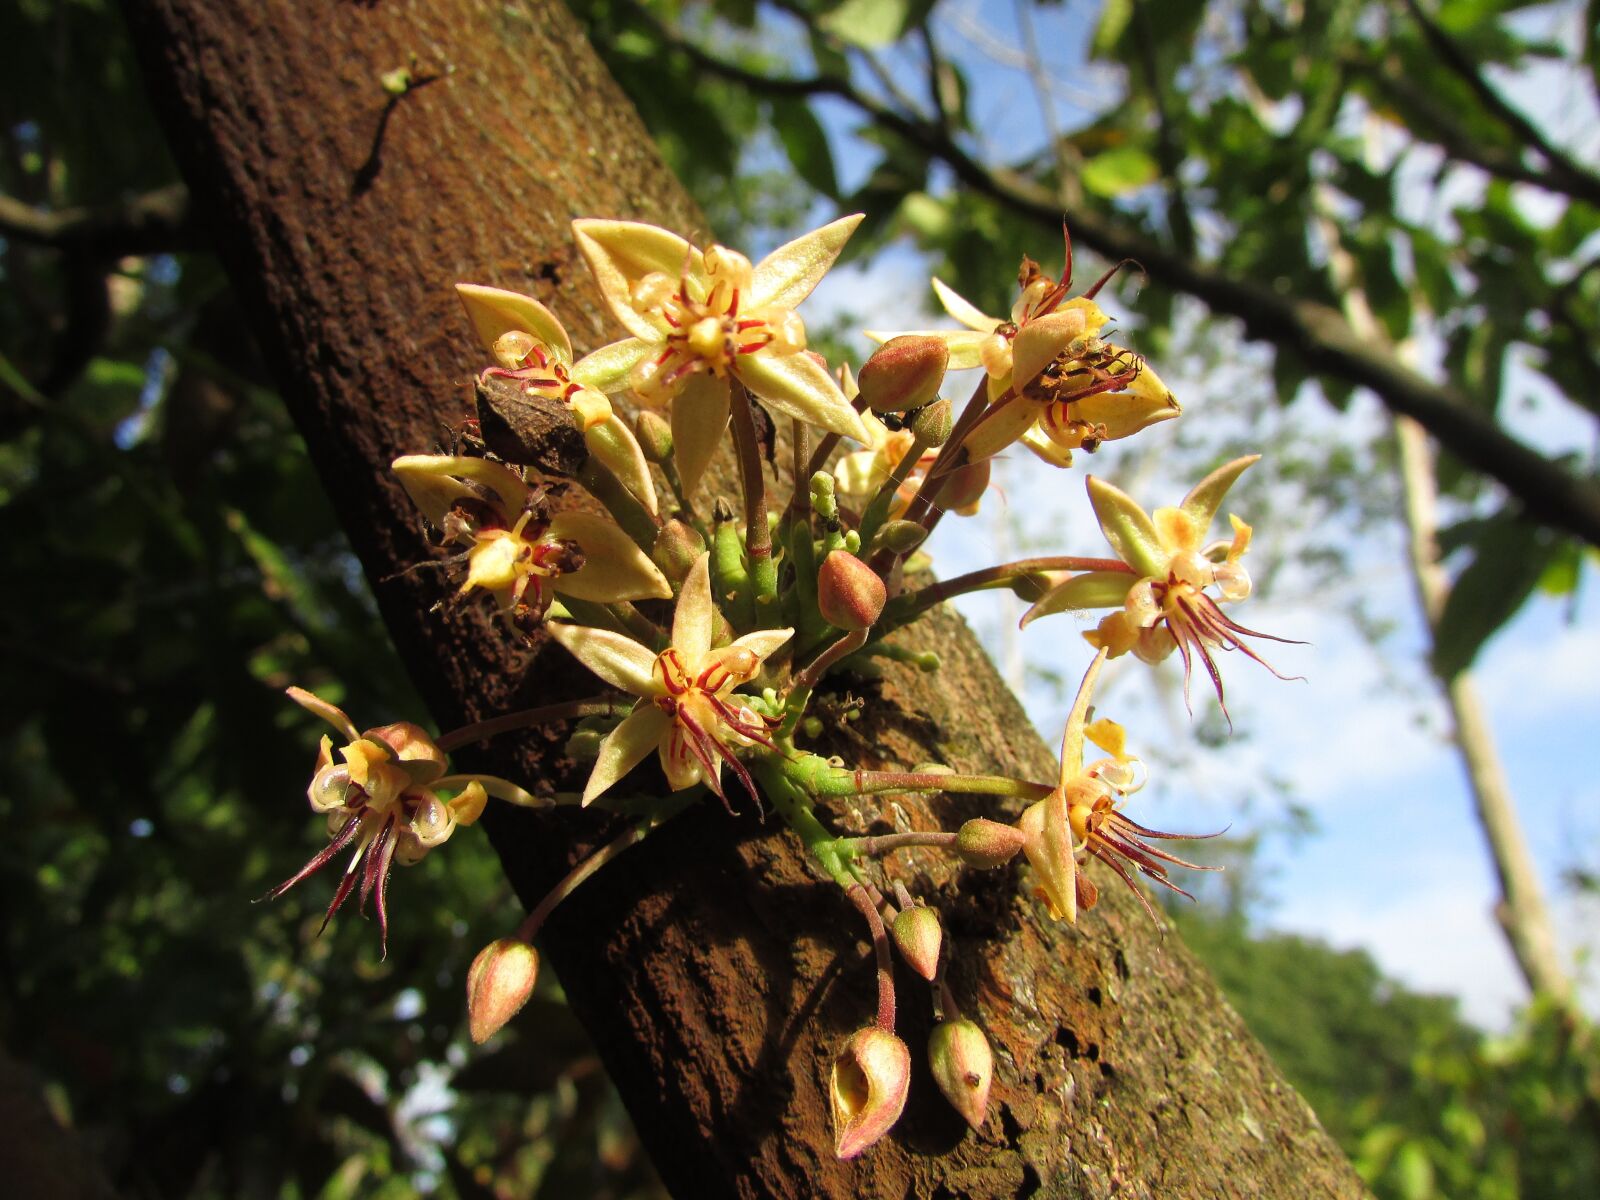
1054,383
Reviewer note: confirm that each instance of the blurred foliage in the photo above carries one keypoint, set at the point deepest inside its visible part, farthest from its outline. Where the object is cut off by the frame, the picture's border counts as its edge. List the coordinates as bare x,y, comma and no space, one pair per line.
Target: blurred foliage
1426,1105
174,566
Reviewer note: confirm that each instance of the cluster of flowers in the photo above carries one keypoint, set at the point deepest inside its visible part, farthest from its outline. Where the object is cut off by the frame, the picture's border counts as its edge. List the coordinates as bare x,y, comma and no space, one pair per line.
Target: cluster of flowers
718,686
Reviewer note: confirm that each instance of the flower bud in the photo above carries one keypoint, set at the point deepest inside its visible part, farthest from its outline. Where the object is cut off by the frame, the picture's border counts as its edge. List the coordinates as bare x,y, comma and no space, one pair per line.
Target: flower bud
985,843
931,425
966,487
901,537
867,1089
849,593
655,436
963,1067
677,547
499,983
905,373
918,935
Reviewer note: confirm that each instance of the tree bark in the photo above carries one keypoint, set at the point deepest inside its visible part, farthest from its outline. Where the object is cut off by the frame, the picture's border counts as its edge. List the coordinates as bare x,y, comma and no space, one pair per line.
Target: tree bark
717,973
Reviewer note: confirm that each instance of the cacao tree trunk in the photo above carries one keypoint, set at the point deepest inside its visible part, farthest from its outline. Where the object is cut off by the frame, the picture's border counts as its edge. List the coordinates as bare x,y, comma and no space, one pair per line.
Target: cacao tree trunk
717,973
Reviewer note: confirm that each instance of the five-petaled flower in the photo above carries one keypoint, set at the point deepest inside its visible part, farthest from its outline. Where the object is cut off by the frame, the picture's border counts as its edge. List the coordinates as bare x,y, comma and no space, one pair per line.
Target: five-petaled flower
531,347
1053,382
1082,817
703,320
387,796
689,711
1162,599
518,552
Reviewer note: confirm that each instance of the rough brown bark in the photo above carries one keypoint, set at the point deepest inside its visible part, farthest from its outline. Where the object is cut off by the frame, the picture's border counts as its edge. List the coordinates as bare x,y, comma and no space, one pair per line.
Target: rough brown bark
715,972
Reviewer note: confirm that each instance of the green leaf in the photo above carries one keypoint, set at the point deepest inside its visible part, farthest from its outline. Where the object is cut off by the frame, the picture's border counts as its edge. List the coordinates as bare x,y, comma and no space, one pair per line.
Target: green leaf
874,24
1118,171
806,144
1510,557
1114,18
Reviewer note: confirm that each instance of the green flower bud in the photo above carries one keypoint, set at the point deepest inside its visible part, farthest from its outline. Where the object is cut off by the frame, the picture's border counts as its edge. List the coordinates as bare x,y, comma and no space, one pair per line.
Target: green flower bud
655,436
901,537
931,425
677,547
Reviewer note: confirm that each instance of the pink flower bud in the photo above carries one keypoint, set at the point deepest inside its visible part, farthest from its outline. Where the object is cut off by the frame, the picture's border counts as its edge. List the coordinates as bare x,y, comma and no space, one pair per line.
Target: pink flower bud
918,935
963,1067
904,373
868,1089
849,593
985,843
499,983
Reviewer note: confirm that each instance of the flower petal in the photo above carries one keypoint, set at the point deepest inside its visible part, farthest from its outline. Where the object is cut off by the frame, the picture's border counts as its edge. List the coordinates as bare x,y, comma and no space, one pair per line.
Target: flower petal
694,616
1206,496
1046,448
495,311
963,310
620,661
699,419
607,369
799,386
614,568
620,253
1041,342
762,643
492,785
1125,413
433,482
330,713
626,746
1072,735
1001,425
612,444
1128,528
1091,589
786,276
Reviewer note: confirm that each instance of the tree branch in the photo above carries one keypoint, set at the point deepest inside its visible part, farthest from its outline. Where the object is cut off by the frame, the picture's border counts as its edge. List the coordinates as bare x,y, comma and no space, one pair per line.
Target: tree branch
1575,179
1315,331
153,223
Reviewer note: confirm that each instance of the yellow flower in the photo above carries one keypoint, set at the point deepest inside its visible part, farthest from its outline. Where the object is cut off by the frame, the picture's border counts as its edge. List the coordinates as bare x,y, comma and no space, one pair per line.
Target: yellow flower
1082,817
1053,383
387,796
530,346
1163,600
518,553
689,712
701,320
